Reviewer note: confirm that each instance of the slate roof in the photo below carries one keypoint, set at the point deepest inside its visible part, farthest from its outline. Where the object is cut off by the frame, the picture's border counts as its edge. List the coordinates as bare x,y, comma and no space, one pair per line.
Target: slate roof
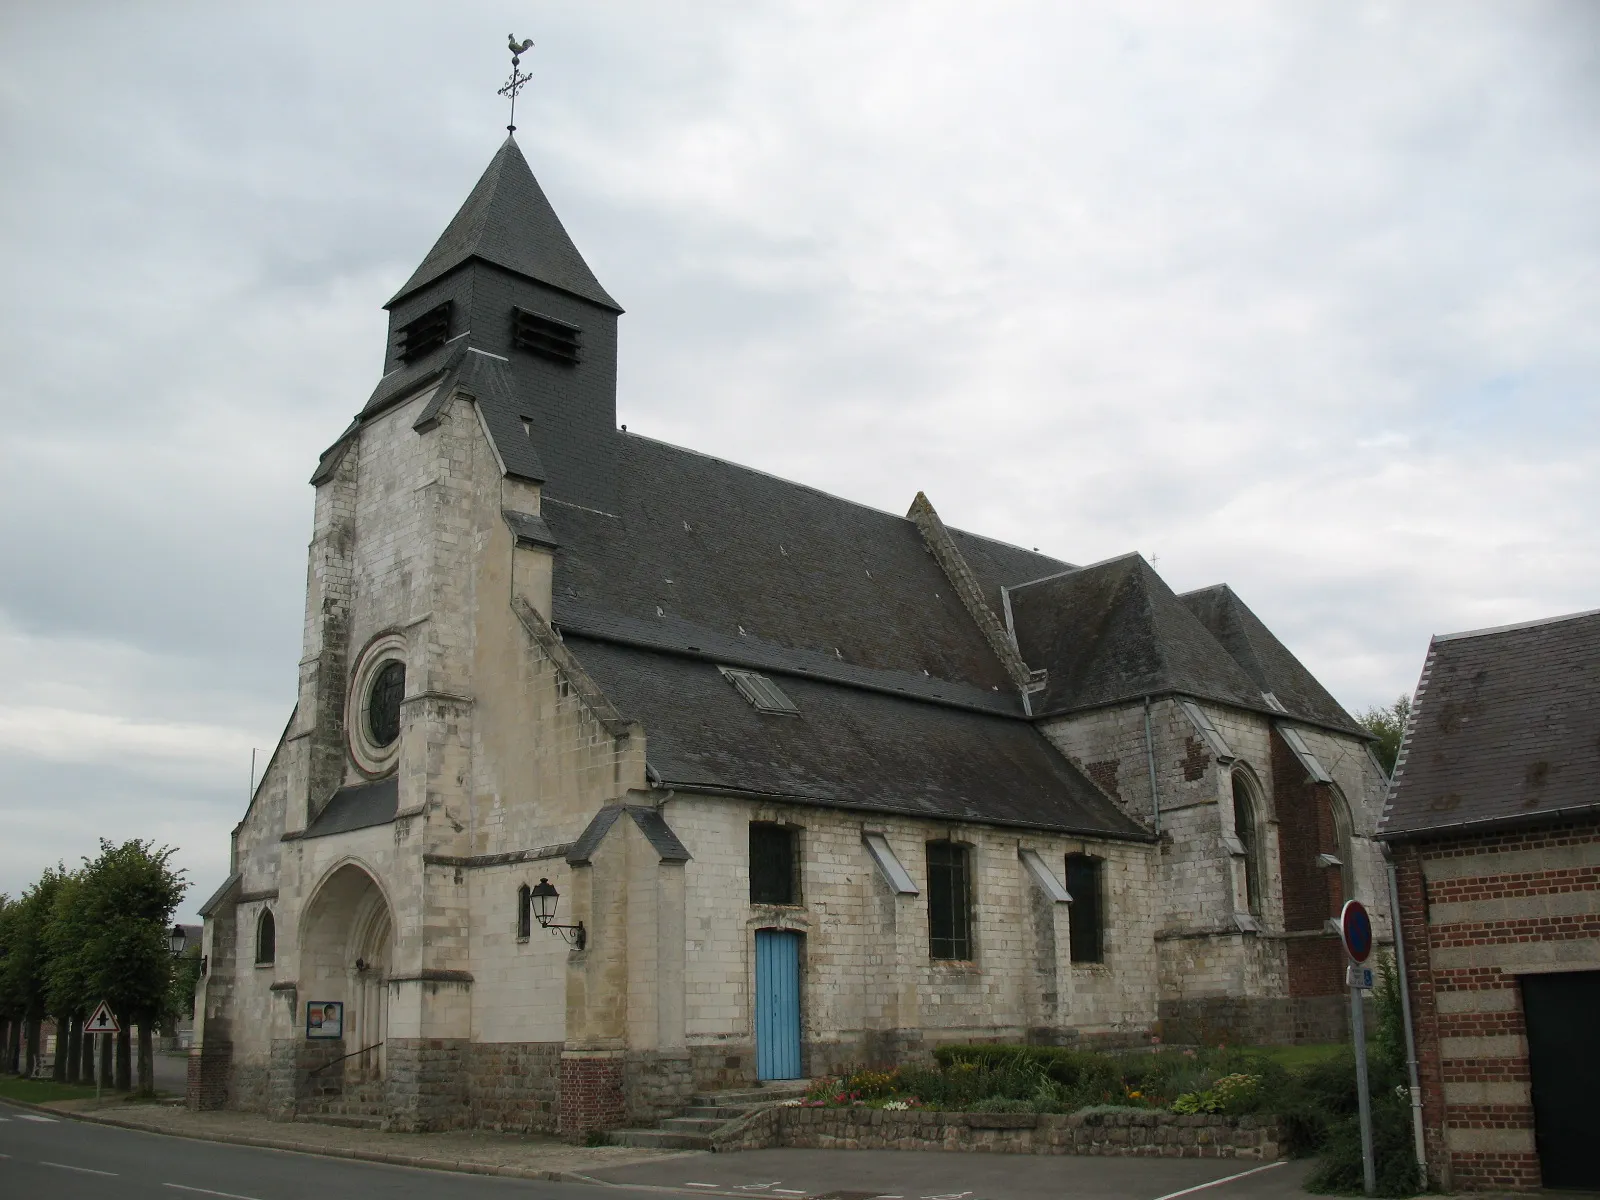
1268,662
1504,730
1114,632
508,222
848,747
650,822
358,807
726,552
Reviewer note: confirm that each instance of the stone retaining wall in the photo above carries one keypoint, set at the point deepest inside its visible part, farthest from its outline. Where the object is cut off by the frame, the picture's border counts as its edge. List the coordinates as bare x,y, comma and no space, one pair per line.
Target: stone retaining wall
1155,1134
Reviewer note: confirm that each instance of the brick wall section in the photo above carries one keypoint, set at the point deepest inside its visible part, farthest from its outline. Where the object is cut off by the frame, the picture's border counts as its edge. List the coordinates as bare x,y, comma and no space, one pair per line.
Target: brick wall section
209,1068
592,1094
1478,911
1305,829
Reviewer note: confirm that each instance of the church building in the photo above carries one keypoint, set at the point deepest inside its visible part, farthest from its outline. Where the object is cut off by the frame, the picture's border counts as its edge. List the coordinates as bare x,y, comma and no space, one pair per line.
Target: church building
619,772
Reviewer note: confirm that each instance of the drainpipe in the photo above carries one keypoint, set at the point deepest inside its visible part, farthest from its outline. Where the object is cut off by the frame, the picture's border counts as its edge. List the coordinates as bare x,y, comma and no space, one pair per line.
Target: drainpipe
1150,763
1405,1010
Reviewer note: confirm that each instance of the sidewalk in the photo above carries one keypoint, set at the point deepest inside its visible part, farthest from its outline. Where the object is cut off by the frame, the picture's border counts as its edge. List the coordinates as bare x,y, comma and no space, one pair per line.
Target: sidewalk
519,1156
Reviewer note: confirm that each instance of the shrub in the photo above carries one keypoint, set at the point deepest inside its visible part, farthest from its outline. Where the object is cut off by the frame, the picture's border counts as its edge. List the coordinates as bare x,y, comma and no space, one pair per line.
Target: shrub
1392,1151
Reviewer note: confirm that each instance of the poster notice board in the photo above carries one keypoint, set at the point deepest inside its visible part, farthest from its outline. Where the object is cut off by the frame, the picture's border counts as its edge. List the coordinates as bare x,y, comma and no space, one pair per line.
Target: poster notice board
325,1019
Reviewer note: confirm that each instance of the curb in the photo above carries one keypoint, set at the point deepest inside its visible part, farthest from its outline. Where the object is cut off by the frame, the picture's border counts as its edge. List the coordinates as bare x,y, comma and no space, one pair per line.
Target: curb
386,1158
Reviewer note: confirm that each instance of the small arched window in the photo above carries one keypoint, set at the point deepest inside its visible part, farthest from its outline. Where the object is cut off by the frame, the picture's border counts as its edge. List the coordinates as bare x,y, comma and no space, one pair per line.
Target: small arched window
1244,828
266,938
1343,850
524,912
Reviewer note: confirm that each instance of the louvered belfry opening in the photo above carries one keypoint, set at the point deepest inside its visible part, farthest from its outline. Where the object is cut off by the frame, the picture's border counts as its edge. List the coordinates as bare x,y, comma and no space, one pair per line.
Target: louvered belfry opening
425,334
547,337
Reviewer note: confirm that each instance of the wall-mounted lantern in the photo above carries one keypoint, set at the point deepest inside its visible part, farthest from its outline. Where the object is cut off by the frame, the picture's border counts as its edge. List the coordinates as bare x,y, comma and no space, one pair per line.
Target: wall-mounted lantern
177,941
544,899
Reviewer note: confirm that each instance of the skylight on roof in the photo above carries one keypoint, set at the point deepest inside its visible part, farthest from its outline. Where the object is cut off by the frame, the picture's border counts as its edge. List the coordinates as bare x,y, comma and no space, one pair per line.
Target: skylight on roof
763,695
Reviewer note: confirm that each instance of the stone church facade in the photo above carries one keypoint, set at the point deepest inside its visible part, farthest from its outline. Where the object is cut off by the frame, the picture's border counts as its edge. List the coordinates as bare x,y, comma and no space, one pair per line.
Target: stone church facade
821,785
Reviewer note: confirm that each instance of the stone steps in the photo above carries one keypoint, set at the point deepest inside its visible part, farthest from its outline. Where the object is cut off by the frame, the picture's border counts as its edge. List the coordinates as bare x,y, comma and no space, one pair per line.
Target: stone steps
707,1113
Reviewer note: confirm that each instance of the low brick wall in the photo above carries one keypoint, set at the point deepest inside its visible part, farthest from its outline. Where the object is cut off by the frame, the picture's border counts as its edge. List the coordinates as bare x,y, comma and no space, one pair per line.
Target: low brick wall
1156,1134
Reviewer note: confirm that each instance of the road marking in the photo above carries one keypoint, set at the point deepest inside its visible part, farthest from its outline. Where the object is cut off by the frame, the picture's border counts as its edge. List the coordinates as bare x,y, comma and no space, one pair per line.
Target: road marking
69,1167
700,1185
786,1192
34,1117
183,1187
1215,1182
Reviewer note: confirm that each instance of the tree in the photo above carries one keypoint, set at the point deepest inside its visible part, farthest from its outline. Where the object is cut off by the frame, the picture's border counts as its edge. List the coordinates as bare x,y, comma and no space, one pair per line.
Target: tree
27,961
131,893
1388,725
66,983
10,1011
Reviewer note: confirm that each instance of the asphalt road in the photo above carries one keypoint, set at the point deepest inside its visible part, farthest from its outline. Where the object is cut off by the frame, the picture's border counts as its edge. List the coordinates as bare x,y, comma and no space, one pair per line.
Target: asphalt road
942,1175
46,1156
60,1159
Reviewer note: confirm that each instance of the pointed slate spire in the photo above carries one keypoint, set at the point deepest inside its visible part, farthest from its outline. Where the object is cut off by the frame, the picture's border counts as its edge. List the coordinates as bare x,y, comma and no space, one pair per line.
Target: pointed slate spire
507,221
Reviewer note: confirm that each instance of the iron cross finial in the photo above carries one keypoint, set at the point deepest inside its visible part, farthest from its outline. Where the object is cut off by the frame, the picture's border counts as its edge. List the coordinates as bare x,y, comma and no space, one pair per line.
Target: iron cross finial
514,84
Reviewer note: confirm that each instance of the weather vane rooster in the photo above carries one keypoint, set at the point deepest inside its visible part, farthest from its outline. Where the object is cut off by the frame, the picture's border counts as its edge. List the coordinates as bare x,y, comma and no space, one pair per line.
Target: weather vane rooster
514,84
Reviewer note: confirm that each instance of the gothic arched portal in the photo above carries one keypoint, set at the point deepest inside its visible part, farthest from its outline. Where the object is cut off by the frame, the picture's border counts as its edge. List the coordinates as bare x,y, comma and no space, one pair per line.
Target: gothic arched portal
347,949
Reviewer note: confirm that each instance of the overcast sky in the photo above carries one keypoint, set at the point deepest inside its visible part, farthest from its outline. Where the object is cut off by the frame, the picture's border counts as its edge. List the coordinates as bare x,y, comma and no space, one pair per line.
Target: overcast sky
1303,297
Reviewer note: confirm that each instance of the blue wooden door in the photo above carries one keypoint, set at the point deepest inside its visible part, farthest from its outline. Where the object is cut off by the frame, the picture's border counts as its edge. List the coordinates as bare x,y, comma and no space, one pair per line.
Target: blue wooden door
777,1004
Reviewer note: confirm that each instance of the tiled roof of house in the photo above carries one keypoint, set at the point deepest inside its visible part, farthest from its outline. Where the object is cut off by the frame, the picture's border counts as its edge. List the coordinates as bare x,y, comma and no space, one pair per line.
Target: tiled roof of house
1504,730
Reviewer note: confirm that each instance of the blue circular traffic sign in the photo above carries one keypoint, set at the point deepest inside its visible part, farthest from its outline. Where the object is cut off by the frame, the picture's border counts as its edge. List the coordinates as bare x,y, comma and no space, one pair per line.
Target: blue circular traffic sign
1355,927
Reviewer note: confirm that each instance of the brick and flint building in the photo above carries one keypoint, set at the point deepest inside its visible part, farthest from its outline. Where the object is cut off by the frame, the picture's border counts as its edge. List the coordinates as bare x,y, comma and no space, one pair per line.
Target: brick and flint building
824,785
1494,829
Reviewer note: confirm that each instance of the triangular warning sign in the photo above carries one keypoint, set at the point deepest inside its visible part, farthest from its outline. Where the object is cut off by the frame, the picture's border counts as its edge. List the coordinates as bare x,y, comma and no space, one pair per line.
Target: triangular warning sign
101,1021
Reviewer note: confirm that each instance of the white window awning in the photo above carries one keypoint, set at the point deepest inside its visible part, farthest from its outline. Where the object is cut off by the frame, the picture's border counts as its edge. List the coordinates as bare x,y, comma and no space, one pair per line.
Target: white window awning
1208,732
1044,876
888,865
1308,760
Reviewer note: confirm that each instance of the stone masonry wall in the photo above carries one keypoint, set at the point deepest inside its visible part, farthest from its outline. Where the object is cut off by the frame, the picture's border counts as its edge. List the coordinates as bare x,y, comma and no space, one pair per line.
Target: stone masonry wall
515,1087
870,993
1479,912
1141,1134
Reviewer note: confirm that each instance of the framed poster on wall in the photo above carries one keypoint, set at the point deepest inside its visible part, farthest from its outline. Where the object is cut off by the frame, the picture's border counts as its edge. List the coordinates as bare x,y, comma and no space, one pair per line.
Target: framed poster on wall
325,1019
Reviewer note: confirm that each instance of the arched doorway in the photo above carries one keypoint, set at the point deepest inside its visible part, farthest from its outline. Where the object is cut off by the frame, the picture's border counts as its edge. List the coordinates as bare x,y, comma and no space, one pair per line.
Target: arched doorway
348,948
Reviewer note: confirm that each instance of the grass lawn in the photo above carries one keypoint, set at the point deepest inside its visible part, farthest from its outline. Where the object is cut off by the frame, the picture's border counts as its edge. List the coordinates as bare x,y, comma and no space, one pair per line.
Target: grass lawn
1294,1057
40,1091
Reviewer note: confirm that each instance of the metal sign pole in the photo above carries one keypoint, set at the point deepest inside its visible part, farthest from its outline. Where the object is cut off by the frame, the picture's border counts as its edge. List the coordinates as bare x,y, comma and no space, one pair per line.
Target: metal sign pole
1358,1031
99,1074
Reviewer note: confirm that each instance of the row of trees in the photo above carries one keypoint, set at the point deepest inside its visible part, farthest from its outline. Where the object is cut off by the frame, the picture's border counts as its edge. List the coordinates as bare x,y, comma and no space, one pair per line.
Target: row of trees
76,938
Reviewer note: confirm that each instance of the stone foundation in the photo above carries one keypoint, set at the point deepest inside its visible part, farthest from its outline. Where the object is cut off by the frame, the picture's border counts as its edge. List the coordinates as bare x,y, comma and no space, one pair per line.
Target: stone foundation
515,1086
425,1084
656,1086
592,1092
1143,1134
723,1066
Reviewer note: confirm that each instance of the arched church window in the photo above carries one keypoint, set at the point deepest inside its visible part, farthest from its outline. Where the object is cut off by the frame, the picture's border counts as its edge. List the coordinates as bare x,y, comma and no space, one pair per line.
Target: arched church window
383,703
524,912
266,938
1344,851
1085,916
1245,829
